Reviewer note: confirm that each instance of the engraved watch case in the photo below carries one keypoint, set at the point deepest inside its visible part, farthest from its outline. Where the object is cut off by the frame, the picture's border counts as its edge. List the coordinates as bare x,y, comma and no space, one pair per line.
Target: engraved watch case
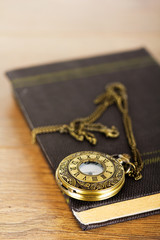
90,176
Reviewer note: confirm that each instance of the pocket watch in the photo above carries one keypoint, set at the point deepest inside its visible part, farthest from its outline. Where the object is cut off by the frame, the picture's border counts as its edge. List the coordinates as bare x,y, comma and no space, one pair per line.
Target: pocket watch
94,176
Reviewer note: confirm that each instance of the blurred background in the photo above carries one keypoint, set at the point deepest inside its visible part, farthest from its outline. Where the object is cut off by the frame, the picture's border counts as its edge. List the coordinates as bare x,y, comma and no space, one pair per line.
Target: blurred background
41,31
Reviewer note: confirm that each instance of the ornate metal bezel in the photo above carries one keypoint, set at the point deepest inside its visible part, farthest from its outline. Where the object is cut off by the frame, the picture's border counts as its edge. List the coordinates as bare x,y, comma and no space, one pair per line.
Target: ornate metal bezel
90,187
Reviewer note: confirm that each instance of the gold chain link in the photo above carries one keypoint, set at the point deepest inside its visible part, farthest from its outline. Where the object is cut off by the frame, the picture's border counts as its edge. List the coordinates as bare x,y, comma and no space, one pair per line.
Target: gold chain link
81,128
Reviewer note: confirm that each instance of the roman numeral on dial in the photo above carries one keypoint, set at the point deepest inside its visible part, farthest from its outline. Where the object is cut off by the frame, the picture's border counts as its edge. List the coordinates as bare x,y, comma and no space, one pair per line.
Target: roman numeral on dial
74,162
76,174
84,178
73,168
106,160
109,172
102,176
94,178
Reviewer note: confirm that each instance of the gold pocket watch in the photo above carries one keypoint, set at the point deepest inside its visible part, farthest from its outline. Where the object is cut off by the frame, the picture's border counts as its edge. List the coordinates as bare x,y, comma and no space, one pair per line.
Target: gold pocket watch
94,176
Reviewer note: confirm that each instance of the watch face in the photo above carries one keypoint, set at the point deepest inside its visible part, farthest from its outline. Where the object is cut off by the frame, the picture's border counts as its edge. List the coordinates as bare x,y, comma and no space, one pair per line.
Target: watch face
91,168
90,176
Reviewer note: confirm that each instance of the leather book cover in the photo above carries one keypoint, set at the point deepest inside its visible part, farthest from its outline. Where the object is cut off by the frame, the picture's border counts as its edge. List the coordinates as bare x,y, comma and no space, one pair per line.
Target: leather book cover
58,93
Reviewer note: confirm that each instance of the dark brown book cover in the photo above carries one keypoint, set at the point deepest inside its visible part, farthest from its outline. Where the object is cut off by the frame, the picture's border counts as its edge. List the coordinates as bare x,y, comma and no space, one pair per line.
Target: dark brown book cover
60,92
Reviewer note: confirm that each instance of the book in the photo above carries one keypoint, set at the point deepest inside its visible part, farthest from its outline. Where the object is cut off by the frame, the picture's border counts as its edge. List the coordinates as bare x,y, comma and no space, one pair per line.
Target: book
58,93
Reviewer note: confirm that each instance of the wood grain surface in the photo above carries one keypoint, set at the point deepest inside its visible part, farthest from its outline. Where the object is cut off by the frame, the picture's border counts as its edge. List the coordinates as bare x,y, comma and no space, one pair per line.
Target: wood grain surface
42,31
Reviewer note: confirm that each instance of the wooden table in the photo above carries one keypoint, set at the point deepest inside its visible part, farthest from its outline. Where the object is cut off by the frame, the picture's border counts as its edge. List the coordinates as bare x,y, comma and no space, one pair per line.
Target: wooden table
41,31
